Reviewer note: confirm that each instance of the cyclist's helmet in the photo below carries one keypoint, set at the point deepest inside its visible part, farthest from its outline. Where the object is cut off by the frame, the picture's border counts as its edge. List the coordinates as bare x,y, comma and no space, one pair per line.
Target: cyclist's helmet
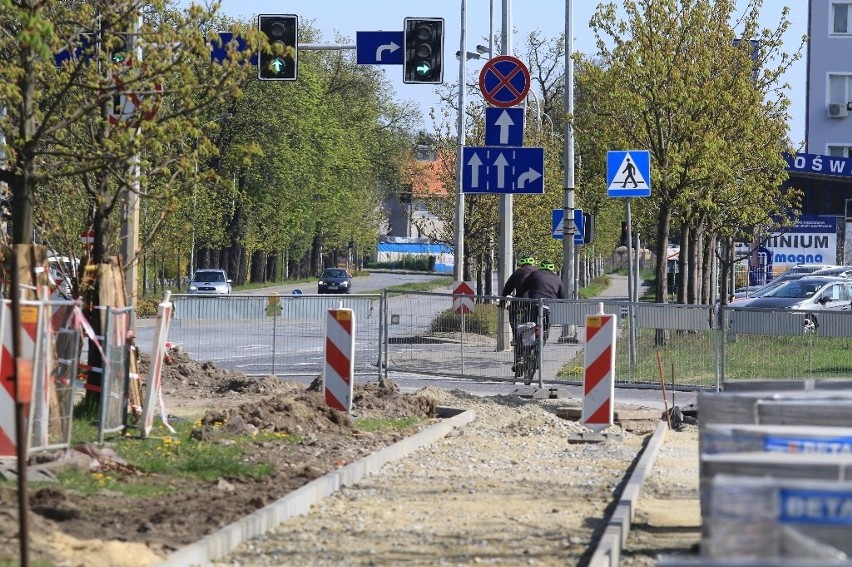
545,265
526,261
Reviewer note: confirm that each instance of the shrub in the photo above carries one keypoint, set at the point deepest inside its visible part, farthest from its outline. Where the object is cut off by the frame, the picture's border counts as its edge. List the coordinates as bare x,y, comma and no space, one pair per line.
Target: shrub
483,321
147,307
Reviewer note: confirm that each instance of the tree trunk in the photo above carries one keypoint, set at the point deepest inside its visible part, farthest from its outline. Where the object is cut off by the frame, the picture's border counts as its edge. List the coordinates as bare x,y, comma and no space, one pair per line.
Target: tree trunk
683,262
663,223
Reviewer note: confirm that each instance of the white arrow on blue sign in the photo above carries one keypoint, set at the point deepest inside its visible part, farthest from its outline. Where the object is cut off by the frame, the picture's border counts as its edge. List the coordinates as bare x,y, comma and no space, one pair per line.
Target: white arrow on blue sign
628,173
579,224
219,49
504,126
379,47
503,170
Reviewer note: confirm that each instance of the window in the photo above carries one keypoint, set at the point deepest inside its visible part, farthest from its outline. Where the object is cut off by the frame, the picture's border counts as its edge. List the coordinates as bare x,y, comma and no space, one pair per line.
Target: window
840,151
840,17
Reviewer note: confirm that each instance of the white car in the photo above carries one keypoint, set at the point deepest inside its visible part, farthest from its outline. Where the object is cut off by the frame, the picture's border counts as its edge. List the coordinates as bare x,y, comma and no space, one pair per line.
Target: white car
210,281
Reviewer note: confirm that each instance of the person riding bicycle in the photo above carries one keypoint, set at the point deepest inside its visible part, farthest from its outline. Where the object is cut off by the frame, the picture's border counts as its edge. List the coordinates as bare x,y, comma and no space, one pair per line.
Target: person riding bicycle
543,283
526,266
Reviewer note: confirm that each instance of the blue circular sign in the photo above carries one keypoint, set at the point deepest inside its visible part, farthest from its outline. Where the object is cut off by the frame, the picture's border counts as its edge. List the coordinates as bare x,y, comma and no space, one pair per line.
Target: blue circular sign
504,81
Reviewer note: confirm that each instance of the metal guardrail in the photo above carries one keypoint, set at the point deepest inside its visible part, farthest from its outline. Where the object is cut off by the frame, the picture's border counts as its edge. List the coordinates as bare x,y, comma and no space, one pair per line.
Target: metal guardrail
697,346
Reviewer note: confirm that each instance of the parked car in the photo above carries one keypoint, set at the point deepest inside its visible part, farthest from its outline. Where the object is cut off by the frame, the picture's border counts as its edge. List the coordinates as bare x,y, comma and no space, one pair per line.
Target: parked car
805,294
335,280
809,268
836,271
210,281
752,291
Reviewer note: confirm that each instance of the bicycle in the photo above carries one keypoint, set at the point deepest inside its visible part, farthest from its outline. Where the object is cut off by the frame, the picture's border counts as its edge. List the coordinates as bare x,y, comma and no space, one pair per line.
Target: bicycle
526,339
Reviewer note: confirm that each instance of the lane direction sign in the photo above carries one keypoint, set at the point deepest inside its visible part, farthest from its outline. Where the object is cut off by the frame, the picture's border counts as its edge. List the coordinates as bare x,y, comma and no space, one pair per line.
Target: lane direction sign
379,47
504,81
503,170
219,49
504,126
558,227
628,173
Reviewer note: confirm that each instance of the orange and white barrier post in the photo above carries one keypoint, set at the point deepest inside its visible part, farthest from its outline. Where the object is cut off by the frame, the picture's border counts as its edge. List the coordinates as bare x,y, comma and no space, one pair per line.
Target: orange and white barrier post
338,376
599,371
154,385
10,391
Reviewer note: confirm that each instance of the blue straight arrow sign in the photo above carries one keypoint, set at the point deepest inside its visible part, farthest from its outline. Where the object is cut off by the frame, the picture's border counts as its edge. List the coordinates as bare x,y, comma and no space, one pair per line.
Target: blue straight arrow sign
504,126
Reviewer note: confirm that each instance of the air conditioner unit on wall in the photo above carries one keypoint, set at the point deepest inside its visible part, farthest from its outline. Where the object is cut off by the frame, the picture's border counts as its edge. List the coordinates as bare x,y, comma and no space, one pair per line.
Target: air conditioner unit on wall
837,110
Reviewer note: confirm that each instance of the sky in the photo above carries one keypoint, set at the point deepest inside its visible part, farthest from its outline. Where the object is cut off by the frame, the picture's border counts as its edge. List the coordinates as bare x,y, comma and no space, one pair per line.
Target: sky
547,16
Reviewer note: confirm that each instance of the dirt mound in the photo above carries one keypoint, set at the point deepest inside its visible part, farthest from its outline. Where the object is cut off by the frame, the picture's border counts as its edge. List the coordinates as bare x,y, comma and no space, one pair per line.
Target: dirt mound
75,526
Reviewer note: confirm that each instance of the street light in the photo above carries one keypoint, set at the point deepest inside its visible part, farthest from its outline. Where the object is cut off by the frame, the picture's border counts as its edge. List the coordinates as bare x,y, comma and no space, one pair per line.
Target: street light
224,116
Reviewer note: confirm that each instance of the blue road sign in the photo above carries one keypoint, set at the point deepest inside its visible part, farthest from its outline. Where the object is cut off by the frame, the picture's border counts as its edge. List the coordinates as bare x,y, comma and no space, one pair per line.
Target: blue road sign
379,47
628,173
579,224
219,49
503,170
504,126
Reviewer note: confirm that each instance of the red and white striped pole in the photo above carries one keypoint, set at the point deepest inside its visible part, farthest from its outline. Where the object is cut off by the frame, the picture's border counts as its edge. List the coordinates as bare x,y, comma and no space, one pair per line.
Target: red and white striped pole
338,376
599,371
12,392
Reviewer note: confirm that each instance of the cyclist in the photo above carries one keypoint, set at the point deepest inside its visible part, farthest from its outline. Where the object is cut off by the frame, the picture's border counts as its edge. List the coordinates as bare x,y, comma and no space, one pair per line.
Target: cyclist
544,283
526,266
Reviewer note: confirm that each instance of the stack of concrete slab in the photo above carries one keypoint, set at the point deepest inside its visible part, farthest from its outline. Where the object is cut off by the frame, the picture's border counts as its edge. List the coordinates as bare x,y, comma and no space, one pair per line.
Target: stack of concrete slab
776,475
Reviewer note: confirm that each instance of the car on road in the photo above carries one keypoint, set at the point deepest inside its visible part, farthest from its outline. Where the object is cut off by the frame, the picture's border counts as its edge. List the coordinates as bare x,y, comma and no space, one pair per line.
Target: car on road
817,293
334,280
210,281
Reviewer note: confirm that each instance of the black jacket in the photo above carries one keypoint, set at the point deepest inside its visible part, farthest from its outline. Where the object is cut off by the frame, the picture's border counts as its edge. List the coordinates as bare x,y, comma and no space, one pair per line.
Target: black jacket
542,284
513,284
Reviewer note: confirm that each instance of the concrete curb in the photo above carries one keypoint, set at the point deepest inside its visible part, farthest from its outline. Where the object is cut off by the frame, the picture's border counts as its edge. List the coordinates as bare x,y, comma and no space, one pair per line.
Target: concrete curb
608,551
219,544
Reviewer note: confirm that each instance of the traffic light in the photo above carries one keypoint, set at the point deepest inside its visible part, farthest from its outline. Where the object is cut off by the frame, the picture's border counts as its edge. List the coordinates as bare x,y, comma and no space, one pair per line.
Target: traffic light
624,235
119,49
280,61
424,50
588,228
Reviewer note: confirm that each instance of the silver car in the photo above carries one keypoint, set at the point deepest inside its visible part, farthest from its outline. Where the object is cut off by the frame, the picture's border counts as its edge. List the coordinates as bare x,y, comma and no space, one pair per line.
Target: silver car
210,281
810,293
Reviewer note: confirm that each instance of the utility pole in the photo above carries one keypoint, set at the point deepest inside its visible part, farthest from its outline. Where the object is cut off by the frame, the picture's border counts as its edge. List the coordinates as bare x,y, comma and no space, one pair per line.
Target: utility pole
130,214
506,253
569,333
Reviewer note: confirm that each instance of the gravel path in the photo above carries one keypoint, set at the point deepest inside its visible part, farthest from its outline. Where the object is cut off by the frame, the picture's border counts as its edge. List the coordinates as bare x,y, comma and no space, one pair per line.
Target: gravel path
507,489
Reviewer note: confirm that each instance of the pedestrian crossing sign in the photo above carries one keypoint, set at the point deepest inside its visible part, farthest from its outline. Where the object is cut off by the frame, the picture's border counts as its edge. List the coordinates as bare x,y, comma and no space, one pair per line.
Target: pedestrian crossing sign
628,173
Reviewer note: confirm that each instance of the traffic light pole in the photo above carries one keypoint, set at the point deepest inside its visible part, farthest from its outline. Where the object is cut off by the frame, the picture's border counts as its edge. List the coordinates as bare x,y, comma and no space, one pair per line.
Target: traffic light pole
130,222
458,269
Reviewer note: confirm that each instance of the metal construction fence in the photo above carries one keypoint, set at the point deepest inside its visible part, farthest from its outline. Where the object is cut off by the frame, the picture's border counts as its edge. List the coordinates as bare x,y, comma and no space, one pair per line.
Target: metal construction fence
280,335
692,346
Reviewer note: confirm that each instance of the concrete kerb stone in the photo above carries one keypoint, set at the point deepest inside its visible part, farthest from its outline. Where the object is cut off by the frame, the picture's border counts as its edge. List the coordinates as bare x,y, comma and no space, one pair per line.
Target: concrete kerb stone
608,551
224,541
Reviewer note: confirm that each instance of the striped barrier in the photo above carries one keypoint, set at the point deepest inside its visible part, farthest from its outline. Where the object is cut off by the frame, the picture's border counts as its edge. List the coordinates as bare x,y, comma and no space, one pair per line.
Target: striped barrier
338,375
599,372
154,386
10,391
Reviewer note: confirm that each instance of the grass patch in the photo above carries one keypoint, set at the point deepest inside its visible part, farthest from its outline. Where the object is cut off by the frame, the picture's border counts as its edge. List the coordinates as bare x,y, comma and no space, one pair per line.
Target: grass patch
169,455
440,282
377,425
689,356
483,321
595,287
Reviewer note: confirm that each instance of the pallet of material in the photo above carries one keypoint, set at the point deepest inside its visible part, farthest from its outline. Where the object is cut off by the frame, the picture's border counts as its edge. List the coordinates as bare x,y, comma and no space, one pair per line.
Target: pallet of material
778,518
830,408
737,438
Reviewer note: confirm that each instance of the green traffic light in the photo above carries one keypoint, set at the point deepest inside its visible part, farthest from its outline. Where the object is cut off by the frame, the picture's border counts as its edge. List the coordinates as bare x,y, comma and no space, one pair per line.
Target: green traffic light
277,65
118,57
423,68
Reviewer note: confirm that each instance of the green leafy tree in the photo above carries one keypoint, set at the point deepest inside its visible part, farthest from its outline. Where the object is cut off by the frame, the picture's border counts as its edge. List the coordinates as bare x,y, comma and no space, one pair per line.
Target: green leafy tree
671,79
